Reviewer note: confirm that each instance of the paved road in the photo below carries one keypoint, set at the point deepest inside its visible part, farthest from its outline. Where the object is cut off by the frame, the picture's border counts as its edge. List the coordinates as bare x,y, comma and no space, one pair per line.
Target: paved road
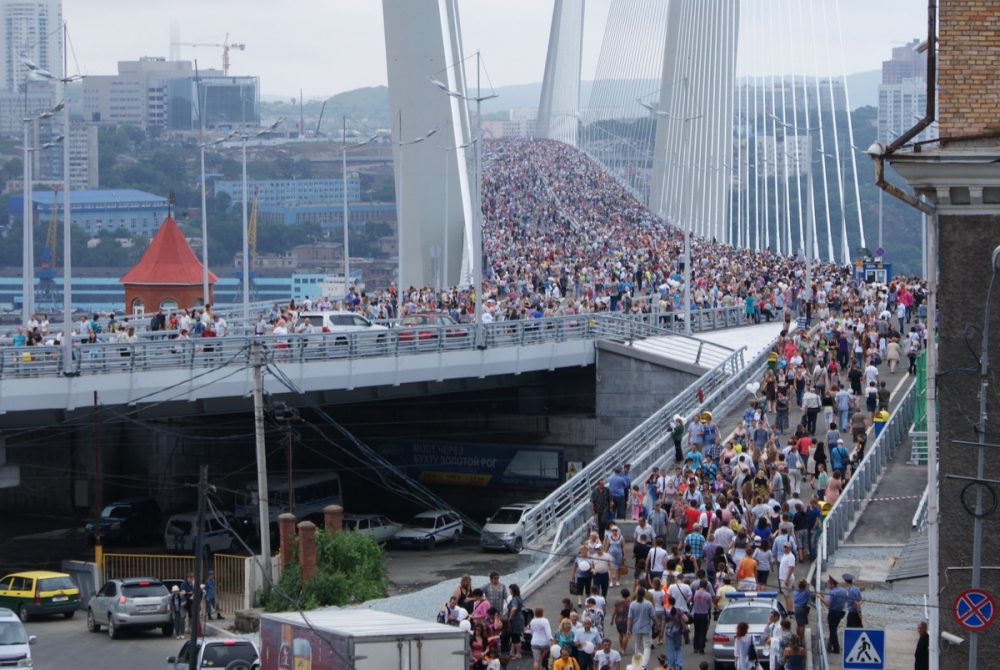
67,643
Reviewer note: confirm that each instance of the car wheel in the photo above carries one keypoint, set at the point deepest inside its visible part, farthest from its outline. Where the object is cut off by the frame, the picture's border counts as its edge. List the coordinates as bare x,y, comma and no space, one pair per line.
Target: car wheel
431,542
167,630
22,613
454,538
92,624
69,615
518,545
719,665
239,664
235,547
113,631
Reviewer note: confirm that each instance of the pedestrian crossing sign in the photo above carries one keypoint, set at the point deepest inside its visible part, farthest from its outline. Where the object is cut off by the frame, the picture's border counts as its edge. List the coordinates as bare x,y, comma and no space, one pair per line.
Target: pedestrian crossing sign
864,649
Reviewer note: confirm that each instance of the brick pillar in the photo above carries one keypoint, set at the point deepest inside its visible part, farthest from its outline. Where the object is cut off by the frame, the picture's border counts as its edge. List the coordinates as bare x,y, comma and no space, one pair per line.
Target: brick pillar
286,535
333,518
307,550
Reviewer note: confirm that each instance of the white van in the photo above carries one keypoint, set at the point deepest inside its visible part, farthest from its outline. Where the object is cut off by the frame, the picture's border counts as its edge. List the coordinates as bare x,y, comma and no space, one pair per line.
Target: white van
505,529
15,644
179,536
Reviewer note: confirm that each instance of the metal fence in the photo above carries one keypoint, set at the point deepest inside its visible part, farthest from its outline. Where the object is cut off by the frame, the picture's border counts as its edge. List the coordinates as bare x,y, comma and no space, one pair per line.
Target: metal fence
854,497
160,351
157,566
230,583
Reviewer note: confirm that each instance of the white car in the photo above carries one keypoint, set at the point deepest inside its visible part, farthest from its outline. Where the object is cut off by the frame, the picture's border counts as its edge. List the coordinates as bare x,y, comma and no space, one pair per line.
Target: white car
16,643
505,529
337,322
179,535
428,528
379,528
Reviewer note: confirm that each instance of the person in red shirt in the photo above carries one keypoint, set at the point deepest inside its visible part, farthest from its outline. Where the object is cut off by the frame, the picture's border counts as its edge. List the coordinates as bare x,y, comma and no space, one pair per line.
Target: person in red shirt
803,445
691,516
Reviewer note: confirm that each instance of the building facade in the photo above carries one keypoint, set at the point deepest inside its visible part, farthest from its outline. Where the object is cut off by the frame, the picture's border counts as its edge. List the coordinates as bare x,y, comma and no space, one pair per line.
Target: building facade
137,95
329,216
225,102
95,210
293,191
29,28
902,95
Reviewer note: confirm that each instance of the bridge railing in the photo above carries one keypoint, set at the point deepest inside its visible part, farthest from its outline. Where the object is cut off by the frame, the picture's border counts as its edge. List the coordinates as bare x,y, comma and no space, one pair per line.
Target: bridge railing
164,350
563,514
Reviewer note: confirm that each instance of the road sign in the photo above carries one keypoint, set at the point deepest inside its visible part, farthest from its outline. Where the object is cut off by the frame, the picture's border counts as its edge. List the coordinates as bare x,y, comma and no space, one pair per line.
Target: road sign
974,609
864,648
880,252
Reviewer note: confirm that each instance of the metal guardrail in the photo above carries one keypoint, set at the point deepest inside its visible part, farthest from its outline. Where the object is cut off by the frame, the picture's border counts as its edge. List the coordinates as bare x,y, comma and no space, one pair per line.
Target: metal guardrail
159,351
852,500
856,492
919,523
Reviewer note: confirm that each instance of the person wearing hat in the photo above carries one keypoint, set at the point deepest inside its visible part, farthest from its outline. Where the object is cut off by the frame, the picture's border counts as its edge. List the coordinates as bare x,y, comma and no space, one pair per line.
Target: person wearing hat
853,603
210,596
177,610
836,603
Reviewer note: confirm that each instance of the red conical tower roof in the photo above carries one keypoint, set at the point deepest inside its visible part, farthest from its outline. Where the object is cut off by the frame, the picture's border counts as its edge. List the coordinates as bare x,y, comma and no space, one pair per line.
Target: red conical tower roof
168,260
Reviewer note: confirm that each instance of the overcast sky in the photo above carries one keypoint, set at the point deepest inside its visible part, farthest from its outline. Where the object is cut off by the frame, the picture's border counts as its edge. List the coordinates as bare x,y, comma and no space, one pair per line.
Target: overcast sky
328,46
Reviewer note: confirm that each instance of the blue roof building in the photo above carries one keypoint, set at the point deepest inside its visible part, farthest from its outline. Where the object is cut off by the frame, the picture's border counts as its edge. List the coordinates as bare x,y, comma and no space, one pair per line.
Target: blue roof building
293,191
94,210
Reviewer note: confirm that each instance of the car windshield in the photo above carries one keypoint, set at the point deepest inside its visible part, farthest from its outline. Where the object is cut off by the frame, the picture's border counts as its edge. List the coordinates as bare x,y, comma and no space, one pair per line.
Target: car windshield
55,583
755,616
115,512
12,632
221,655
413,320
422,522
507,516
144,590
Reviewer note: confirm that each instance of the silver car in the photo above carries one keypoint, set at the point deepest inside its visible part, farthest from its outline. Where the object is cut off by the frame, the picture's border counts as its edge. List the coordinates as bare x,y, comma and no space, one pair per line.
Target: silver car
754,608
379,528
139,603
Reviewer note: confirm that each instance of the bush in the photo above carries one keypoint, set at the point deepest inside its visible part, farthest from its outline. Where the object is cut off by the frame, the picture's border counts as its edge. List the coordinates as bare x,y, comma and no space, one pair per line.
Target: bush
350,569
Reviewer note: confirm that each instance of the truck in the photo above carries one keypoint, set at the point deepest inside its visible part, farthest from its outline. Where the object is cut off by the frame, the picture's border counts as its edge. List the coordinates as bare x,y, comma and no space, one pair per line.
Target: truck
360,639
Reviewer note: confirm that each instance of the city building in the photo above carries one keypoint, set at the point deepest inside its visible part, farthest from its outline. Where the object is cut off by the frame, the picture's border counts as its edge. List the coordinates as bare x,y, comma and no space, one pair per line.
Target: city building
15,106
293,191
329,215
95,210
227,101
519,127
775,155
29,28
137,95
791,94
902,95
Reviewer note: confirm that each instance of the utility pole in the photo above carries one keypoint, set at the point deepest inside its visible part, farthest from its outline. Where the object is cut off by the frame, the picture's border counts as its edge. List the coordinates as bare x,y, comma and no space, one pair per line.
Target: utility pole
98,549
199,567
262,495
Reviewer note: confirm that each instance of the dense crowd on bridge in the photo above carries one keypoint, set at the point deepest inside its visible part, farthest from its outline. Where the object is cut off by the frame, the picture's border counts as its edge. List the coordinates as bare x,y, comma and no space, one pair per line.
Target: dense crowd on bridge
737,510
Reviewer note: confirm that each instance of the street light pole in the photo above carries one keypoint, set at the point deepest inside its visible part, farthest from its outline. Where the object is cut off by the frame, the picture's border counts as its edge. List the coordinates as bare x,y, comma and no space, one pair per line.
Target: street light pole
28,269
67,220
246,242
347,231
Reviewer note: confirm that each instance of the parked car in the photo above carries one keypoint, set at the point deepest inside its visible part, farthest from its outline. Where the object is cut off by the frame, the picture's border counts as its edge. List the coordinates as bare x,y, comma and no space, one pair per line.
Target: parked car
127,521
429,326
216,652
15,644
39,593
505,530
180,533
141,603
379,528
752,607
428,528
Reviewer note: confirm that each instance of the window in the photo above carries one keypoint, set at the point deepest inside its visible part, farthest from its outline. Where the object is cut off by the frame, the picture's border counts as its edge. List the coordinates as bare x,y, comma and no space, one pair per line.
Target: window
168,304
138,308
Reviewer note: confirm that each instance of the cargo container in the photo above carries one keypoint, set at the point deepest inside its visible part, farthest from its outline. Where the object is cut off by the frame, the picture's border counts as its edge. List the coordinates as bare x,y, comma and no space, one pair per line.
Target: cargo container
359,640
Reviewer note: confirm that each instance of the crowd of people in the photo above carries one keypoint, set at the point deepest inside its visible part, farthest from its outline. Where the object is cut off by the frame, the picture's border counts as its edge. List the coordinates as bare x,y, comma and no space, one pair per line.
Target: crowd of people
737,511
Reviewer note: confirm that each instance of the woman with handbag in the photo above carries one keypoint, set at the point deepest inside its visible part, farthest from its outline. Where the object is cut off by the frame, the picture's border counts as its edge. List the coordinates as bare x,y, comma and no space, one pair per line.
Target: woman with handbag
674,624
743,649
614,545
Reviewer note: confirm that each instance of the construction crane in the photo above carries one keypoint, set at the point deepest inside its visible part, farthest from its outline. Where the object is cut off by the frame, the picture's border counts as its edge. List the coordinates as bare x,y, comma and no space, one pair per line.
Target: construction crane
225,46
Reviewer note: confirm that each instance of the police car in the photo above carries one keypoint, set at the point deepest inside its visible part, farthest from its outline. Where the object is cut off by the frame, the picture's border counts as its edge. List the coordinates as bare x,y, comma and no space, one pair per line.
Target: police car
428,528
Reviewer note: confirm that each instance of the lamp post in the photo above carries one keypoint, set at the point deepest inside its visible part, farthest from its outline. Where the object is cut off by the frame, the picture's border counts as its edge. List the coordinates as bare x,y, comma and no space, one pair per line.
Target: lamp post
28,269
477,225
347,244
686,215
400,195
244,136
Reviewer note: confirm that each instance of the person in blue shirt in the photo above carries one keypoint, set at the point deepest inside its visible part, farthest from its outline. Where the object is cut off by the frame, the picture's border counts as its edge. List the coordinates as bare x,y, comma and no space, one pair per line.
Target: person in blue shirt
695,457
836,603
618,489
801,601
708,469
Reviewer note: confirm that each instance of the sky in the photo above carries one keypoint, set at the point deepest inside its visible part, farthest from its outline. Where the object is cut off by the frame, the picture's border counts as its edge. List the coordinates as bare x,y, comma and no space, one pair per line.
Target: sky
328,46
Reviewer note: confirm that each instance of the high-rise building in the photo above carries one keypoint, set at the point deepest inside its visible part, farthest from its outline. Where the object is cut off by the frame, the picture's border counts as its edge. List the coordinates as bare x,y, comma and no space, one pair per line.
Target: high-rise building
137,95
29,28
902,96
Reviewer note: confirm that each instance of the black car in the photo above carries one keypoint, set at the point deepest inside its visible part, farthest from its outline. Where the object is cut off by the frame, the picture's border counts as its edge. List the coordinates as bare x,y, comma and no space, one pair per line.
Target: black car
128,521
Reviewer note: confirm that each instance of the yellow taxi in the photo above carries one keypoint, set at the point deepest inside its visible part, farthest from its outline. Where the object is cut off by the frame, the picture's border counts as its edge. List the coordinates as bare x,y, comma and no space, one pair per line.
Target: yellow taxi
39,593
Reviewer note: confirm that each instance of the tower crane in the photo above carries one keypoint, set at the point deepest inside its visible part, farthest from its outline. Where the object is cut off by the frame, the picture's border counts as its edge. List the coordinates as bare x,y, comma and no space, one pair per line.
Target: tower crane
225,46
